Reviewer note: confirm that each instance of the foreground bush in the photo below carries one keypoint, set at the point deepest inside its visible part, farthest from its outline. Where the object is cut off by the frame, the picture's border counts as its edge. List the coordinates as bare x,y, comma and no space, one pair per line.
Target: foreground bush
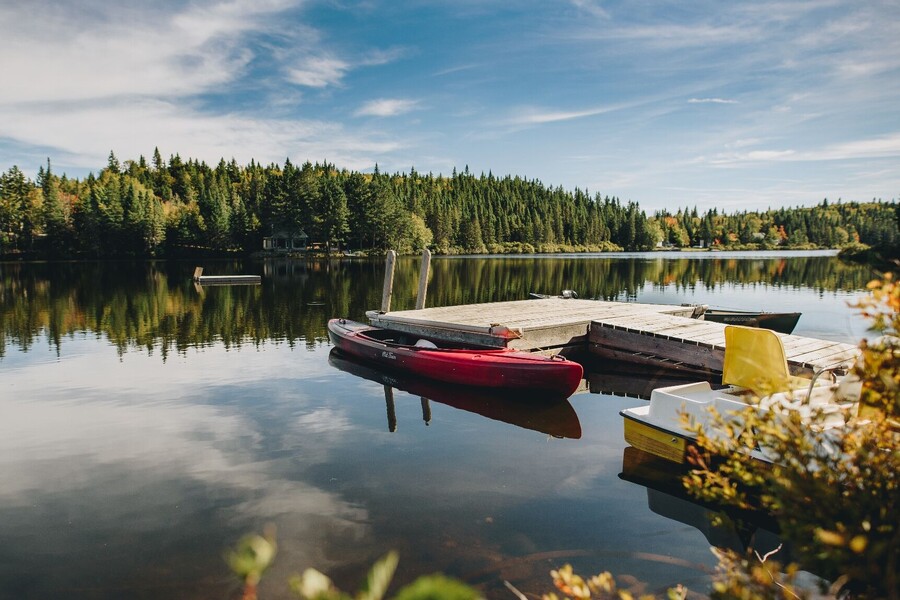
834,492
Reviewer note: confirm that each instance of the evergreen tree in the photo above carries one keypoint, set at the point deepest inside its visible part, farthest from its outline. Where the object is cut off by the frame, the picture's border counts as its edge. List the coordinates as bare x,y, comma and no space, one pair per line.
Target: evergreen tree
112,163
86,221
53,213
17,209
334,214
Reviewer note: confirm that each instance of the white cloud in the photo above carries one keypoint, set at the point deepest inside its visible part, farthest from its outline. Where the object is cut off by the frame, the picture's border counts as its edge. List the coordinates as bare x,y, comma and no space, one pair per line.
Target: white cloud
669,36
381,57
592,7
318,71
134,127
881,147
711,101
744,143
386,107
83,80
537,117
856,68
769,154
456,69
139,51
322,70
734,158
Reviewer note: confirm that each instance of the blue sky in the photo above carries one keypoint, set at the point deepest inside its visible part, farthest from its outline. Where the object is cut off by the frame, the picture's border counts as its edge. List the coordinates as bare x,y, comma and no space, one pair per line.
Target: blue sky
735,105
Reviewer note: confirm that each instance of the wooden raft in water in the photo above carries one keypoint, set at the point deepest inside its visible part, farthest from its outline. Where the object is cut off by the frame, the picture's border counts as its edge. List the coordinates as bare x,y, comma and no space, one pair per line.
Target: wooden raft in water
202,279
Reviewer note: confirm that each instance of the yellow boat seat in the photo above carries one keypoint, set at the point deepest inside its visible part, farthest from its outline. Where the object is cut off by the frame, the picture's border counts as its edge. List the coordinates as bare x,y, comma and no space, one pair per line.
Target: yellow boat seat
755,359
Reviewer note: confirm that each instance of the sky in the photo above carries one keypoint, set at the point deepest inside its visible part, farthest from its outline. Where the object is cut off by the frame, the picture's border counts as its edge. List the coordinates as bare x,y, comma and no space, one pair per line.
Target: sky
733,105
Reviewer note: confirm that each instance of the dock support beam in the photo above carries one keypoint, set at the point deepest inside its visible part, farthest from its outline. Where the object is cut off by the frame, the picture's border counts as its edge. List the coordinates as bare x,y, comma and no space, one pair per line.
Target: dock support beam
388,281
423,278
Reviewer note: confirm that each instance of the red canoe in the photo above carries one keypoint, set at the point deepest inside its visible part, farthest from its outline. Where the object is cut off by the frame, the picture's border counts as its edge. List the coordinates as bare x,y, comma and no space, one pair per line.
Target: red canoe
494,368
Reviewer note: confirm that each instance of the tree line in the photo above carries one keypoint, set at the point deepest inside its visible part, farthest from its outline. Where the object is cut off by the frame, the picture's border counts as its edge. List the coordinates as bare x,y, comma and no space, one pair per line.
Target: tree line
165,207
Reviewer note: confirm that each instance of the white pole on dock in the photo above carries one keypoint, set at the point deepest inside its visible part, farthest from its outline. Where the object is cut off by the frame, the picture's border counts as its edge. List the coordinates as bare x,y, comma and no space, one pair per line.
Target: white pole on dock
388,281
423,278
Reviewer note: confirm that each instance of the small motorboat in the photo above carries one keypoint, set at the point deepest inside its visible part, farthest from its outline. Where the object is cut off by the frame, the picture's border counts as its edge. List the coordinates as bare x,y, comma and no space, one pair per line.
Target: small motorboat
755,367
780,322
566,294
501,368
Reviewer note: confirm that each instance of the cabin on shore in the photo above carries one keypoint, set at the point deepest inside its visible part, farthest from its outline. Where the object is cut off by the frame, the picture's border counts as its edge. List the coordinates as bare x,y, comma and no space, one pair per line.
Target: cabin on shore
284,241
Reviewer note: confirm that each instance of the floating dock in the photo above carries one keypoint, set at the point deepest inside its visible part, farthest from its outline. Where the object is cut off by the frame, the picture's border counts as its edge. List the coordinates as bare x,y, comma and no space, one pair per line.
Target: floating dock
651,334
202,279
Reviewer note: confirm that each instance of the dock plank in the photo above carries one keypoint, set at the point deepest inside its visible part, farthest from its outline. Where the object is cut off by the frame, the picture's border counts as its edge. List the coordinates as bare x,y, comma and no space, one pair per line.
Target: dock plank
827,356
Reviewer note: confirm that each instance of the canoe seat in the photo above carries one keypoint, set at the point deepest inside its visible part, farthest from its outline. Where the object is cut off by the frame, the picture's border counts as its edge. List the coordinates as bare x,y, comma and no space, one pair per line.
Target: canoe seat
425,344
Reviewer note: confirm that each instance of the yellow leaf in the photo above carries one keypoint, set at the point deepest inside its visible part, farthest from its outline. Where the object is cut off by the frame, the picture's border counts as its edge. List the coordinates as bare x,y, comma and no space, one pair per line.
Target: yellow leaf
832,538
858,544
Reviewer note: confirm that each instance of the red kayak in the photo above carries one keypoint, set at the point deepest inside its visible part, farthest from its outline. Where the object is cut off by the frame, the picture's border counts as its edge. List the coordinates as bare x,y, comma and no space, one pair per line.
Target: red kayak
494,368
548,414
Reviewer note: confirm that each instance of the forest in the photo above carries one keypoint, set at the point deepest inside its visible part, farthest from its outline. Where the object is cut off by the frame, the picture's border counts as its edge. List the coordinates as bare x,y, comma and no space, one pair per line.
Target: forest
167,208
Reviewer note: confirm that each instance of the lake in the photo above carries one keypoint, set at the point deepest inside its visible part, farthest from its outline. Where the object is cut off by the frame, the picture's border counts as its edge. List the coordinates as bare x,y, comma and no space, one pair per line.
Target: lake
146,425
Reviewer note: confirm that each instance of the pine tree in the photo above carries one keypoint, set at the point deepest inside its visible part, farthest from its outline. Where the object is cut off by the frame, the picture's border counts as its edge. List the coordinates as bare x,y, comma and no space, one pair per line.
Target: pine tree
112,163
53,213
334,213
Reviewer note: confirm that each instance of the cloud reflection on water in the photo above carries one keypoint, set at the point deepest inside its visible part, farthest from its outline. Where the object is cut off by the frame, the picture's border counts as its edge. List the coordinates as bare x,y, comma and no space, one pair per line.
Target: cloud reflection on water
97,453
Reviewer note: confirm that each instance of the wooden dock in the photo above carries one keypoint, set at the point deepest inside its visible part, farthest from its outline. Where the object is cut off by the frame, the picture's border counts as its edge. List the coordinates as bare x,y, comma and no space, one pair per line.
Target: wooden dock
691,344
650,334
520,324
206,280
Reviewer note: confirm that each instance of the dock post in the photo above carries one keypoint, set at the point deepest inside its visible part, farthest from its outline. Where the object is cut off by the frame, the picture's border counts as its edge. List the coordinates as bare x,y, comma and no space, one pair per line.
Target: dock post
426,410
388,281
389,405
423,278
198,272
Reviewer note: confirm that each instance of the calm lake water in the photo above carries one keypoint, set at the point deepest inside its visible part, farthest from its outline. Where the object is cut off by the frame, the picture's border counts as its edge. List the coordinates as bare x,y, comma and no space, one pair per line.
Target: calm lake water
146,425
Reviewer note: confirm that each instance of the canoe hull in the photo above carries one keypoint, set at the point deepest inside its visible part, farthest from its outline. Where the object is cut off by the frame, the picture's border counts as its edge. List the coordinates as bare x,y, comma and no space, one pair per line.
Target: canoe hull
780,322
494,368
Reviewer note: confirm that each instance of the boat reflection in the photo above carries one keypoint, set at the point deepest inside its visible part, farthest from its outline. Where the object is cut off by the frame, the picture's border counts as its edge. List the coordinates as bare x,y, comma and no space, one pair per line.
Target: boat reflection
554,417
723,527
623,378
